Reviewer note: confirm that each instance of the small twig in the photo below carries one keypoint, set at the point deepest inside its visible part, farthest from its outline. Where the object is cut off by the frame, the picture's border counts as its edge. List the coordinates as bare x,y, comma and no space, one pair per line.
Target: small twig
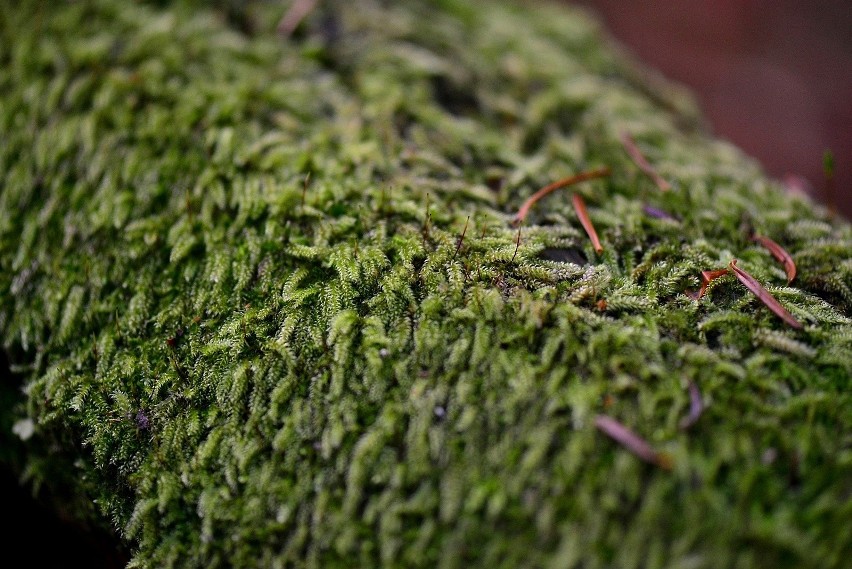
632,442
297,12
780,254
461,239
764,296
581,177
643,164
583,214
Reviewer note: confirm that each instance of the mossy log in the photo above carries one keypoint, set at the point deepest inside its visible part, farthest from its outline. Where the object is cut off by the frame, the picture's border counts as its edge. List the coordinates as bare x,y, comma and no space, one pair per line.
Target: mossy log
269,309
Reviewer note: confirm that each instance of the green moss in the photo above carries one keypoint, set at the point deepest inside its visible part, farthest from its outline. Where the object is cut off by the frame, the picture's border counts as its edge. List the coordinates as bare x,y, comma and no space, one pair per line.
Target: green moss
244,368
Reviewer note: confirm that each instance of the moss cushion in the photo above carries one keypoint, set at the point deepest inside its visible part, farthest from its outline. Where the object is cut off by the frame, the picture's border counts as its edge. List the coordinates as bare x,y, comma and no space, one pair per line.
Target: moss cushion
269,307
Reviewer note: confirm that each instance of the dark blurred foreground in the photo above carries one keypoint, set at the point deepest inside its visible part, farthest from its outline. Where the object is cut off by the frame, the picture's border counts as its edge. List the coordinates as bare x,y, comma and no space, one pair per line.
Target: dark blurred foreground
33,527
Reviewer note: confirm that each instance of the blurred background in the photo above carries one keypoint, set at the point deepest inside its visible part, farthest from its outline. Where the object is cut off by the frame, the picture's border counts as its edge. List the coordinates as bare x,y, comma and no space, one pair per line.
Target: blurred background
772,76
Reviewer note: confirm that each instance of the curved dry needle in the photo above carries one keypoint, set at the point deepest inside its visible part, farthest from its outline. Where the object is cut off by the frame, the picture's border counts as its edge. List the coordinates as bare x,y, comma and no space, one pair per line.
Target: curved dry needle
576,178
779,253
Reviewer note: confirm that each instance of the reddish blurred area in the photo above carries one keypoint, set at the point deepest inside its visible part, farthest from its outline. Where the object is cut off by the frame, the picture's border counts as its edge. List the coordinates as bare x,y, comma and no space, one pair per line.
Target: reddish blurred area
772,76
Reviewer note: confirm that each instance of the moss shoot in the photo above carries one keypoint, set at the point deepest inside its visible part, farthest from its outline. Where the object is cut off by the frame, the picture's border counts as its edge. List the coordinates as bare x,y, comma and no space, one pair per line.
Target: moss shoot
269,308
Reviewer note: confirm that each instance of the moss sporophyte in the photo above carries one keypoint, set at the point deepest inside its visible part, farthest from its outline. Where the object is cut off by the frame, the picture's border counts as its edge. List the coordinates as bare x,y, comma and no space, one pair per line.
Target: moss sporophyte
244,336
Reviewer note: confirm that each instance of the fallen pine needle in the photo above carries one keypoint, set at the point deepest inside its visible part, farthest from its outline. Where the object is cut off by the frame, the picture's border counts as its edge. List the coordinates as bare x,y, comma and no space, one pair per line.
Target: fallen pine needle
696,406
764,296
779,253
706,278
581,177
632,442
640,160
580,208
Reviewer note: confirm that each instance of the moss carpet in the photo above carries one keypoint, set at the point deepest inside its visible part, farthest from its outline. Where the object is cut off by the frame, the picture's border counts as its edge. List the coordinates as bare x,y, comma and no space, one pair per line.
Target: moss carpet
269,308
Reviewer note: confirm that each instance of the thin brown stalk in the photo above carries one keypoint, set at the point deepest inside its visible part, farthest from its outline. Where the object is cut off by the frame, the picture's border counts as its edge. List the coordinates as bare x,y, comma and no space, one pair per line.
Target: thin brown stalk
580,208
297,12
696,406
581,177
780,254
427,218
517,246
305,187
764,296
706,278
640,160
632,442
461,239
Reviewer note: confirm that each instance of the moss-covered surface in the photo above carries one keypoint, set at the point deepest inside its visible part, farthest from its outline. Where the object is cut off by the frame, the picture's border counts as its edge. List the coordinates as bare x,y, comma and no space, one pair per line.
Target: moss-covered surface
244,369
